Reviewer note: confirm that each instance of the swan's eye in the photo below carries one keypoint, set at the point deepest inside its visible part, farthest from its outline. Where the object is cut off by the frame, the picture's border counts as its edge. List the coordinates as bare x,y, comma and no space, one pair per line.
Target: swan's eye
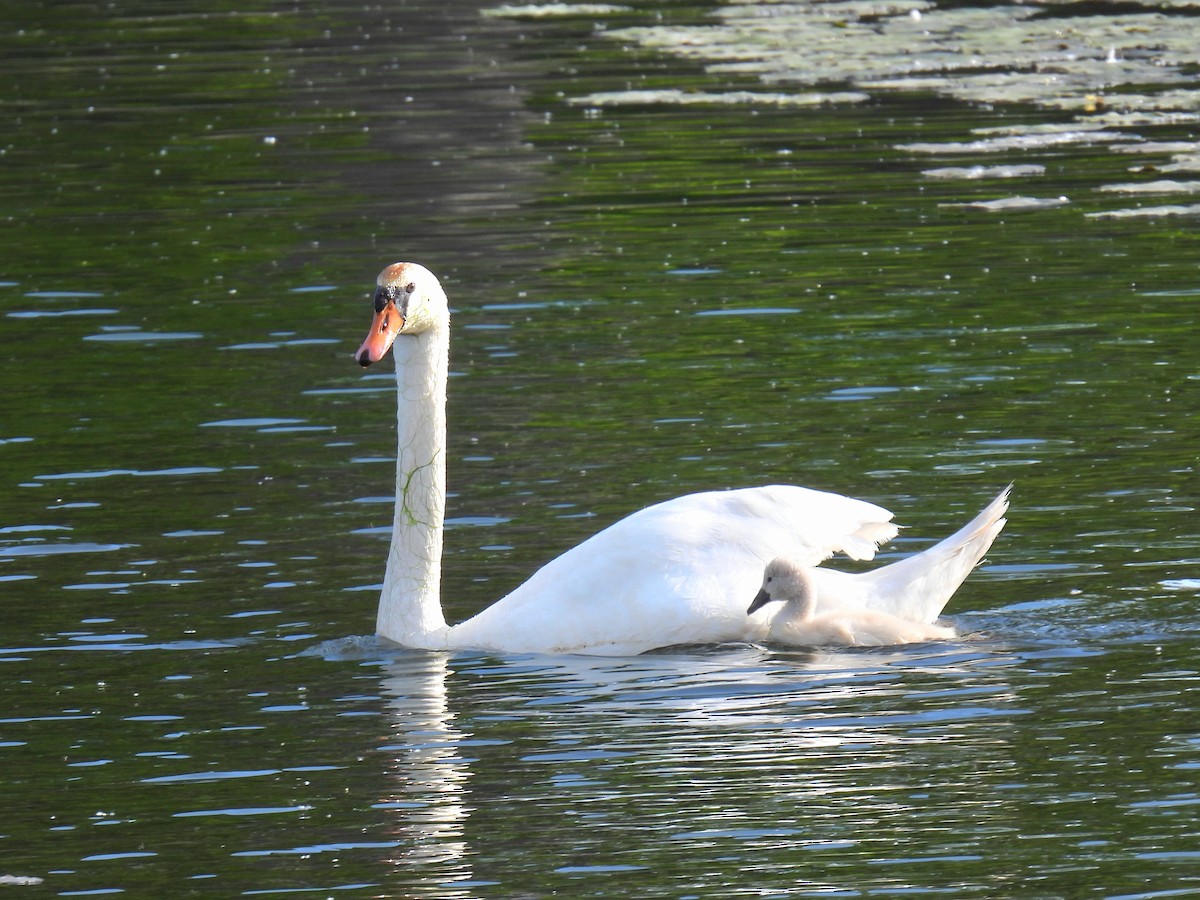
770,578
409,288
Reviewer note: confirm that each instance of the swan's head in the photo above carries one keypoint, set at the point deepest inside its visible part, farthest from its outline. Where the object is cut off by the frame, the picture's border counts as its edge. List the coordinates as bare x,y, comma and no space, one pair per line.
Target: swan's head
785,581
408,300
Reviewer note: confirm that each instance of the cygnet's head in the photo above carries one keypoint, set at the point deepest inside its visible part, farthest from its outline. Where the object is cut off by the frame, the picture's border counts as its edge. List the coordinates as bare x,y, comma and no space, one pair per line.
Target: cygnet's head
785,581
408,300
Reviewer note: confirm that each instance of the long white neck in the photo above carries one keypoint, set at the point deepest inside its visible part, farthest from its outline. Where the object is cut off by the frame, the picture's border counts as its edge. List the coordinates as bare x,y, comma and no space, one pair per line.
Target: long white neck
410,610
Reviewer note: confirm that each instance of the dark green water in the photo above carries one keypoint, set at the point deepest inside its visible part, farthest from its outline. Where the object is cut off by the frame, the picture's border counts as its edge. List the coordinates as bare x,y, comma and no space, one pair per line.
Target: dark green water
650,299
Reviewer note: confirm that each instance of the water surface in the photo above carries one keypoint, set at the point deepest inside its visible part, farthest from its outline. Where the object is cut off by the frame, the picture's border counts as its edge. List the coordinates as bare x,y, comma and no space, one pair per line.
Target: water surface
701,287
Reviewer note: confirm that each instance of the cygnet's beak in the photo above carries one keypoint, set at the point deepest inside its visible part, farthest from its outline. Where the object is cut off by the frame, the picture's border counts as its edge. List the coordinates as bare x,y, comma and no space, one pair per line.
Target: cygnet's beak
384,328
761,599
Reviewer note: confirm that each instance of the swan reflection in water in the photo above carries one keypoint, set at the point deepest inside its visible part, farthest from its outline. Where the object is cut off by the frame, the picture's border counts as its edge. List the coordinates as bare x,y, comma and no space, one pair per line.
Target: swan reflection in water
430,772
506,766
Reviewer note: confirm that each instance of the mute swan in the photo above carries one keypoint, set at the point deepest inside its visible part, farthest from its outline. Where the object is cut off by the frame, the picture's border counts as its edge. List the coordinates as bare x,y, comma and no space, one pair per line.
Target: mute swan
673,573
836,624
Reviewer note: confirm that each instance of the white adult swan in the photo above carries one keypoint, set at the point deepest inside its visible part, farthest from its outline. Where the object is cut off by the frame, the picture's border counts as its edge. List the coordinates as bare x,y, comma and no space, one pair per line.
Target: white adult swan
674,573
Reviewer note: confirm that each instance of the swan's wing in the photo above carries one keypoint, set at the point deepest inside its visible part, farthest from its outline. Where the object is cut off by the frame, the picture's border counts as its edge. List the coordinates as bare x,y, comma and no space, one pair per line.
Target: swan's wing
682,571
809,525
754,524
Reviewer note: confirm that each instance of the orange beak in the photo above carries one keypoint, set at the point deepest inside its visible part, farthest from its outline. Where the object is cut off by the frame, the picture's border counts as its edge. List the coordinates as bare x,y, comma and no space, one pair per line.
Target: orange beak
384,328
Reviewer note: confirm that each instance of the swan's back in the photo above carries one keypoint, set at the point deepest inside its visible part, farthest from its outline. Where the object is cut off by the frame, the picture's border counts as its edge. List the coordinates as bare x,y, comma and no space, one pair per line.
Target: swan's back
676,572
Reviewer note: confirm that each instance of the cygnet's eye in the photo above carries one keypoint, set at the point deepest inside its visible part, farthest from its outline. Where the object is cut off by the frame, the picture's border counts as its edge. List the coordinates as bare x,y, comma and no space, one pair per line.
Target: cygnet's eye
770,578
409,288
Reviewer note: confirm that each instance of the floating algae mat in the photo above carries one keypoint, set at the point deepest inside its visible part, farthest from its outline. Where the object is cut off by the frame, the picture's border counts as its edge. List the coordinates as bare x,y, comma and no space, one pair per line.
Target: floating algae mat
1053,55
1100,70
